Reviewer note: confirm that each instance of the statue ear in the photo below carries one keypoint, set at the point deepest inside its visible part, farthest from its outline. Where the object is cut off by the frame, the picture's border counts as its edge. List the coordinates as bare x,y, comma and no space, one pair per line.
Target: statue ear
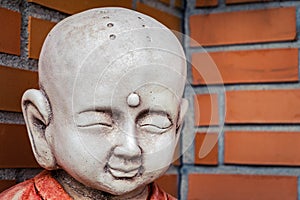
183,109
37,112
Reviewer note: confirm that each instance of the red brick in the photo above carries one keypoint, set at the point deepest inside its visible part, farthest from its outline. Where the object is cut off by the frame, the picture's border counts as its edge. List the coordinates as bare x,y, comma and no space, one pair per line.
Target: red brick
247,66
263,106
75,6
278,24
177,3
171,21
169,183
204,69
10,34
206,148
262,148
206,109
206,3
38,30
244,1
5,184
165,1
245,187
13,83
15,150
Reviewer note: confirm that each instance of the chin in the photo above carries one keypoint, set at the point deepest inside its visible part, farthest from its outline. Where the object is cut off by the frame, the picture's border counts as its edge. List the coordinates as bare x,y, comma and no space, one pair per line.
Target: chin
122,189
124,186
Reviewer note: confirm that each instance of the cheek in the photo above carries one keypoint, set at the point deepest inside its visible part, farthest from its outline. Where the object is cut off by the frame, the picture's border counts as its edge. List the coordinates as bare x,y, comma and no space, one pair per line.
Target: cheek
97,145
74,147
158,151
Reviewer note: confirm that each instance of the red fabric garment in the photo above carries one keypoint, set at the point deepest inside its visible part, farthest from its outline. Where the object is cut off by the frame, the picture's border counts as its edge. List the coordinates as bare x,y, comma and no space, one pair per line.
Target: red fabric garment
45,187
155,193
41,187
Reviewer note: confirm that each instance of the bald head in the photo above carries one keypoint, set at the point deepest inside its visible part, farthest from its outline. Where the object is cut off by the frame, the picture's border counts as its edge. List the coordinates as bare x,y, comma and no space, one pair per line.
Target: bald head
93,41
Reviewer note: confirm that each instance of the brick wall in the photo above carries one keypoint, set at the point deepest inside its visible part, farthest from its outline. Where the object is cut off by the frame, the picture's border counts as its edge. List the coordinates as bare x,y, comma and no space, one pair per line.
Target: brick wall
243,138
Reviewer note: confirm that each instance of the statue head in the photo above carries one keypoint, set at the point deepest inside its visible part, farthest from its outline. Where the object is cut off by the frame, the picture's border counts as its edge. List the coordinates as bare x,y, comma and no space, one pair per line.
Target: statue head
110,107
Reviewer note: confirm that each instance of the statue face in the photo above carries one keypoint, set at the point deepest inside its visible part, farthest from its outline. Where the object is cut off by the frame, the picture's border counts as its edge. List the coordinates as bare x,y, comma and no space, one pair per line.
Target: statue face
118,130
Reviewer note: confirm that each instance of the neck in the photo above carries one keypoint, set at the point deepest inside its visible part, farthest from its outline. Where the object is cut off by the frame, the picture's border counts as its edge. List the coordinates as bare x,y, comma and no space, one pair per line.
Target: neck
79,191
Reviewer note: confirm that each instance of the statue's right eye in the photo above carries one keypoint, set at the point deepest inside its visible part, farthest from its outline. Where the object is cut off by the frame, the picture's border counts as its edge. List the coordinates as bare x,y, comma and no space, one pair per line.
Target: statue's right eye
94,118
96,124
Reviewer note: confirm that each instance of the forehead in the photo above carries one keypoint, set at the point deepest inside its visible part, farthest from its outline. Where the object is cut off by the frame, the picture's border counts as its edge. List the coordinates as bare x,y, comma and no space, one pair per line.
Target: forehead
132,67
150,97
153,75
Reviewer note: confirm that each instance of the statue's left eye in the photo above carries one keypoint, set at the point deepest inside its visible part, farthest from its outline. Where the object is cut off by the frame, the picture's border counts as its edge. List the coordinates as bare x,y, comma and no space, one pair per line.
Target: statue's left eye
154,129
154,123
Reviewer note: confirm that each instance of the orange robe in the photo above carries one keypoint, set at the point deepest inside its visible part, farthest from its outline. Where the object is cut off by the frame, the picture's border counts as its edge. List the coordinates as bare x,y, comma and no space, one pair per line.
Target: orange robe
45,187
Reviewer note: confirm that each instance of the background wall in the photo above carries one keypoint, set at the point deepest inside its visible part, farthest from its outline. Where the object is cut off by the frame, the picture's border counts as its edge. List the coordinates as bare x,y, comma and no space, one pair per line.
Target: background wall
241,138
255,114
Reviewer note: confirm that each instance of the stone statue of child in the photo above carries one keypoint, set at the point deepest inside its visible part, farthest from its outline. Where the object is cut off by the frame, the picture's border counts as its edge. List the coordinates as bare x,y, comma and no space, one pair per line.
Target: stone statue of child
107,117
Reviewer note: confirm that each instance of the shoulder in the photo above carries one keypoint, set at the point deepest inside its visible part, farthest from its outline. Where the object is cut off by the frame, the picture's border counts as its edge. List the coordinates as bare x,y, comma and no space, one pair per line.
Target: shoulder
21,191
49,188
43,186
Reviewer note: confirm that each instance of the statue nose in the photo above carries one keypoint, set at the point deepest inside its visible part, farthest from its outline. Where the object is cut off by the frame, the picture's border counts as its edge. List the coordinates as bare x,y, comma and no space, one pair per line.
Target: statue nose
128,147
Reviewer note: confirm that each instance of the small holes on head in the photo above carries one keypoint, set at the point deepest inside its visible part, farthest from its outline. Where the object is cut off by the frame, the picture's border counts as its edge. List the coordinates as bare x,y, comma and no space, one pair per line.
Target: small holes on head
105,17
110,25
139,17
149,38
143,25
112,37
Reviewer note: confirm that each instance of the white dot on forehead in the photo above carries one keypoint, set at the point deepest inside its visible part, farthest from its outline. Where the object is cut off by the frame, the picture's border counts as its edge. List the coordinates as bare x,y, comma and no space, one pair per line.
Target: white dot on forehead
133,100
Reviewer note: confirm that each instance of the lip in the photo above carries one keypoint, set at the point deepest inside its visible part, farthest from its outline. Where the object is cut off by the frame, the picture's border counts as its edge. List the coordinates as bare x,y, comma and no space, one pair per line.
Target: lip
123,173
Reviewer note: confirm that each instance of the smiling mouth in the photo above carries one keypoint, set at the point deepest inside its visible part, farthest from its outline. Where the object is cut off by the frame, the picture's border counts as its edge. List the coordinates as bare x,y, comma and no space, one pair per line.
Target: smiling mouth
123,173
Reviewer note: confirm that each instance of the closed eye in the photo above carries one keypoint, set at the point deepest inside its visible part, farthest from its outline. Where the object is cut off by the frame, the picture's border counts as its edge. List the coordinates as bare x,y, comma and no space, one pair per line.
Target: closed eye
95,124
152,128
157,123
94,118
